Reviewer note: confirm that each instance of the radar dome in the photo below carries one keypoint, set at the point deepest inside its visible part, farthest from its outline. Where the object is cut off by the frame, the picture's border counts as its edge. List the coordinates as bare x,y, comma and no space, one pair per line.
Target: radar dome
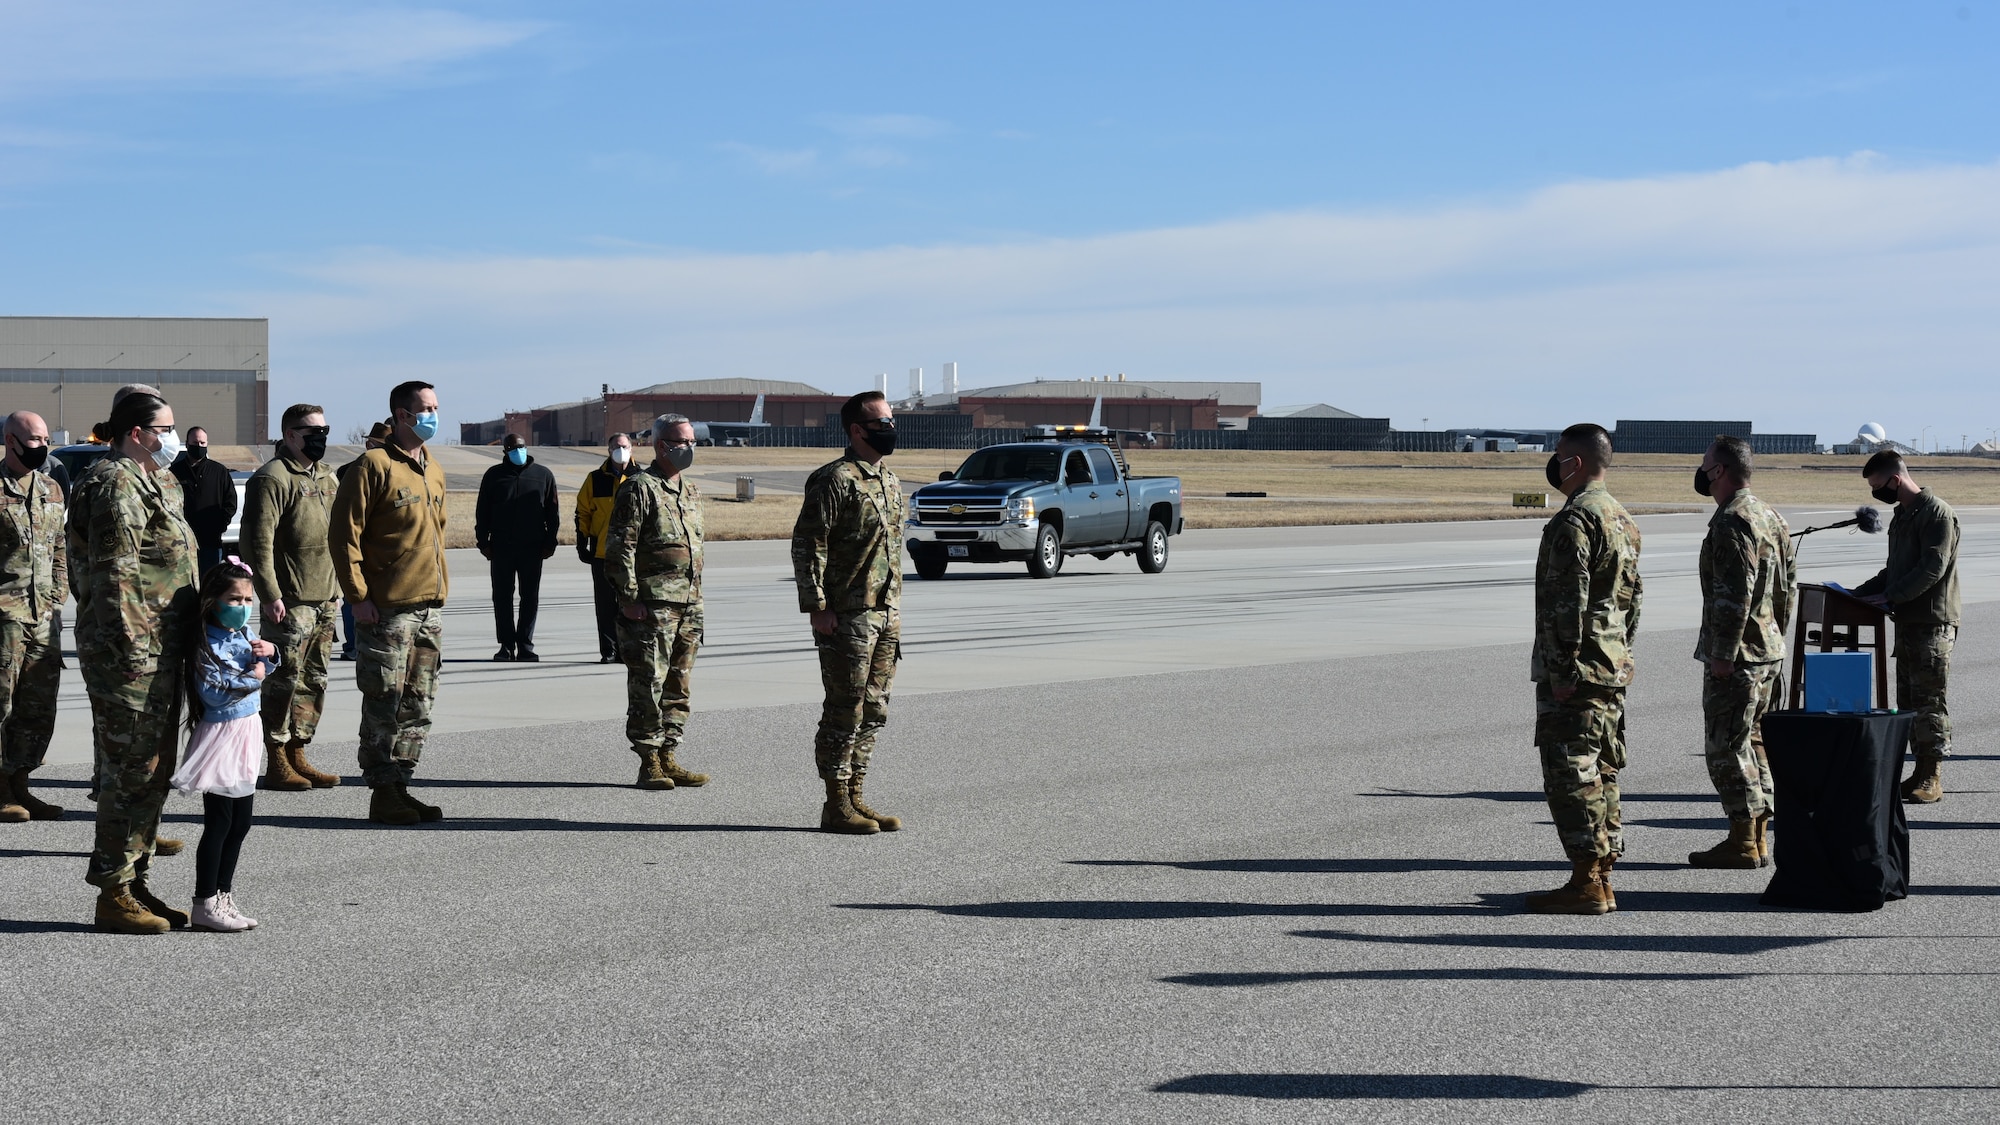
1872,433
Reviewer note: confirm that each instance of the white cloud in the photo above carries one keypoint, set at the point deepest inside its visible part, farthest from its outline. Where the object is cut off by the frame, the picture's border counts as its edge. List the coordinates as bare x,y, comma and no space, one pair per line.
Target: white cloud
128,44
1806,295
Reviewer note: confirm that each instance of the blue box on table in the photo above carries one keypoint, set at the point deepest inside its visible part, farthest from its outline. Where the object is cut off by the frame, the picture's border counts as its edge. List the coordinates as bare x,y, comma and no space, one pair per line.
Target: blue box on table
1840,681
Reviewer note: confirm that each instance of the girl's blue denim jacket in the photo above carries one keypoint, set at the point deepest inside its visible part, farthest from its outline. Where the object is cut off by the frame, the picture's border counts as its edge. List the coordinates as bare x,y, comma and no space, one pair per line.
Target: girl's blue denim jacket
228,691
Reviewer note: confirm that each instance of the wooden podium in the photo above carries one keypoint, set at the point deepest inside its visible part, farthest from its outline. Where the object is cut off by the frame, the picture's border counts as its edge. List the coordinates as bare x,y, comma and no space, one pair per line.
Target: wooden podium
1833,621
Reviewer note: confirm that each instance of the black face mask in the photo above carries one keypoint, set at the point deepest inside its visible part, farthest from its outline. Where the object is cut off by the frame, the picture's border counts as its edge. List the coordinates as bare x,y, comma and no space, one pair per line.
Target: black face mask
34,457
1887,494
881,441
313,446
1702,485
680,457
1554,471
197,453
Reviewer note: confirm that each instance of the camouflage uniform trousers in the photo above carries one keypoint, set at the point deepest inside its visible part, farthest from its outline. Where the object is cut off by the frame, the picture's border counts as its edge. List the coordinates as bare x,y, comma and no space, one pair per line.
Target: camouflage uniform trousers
136,755
396,663
857,663
1733,708
659,660
30,675
1923,671
1582,744
295,692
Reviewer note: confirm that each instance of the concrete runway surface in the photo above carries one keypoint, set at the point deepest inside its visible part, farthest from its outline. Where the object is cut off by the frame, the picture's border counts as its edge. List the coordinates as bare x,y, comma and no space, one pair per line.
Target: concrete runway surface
1244,841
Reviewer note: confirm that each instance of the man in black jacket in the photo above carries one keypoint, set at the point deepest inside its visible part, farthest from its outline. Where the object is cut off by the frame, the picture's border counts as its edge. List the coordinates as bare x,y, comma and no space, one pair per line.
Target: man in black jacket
211,498
515,529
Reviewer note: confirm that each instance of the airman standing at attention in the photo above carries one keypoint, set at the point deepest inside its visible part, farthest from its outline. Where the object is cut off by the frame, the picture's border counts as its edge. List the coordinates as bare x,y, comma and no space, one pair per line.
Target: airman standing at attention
847,557
1920,587
34,580
1586,611
1749,580
652,562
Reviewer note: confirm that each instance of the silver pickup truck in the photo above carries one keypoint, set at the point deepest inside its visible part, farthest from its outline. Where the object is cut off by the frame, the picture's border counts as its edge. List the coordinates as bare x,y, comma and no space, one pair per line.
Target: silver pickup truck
1069,492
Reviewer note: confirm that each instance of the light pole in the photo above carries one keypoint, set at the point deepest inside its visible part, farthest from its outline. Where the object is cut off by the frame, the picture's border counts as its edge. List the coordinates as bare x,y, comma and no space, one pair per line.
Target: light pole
1920,438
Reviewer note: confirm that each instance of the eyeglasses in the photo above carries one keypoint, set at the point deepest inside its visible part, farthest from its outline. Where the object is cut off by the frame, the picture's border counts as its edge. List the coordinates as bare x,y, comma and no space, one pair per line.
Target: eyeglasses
158,429
880,425
678,444
313,431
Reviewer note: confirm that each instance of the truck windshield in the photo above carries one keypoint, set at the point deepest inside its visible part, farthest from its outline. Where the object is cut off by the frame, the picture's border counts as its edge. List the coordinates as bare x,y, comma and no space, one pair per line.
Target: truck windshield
1011,463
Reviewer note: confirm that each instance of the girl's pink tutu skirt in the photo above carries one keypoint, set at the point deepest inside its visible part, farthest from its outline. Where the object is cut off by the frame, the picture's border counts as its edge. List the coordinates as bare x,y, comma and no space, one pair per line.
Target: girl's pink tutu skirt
223,758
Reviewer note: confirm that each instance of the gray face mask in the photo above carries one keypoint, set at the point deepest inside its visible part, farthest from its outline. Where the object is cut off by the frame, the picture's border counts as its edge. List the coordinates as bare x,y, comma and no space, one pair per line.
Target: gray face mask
680,457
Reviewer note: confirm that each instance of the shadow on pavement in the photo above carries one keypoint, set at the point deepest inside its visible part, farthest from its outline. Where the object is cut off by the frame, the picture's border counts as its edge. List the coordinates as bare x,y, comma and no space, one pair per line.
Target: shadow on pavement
36,926
1394,1086
1739,945
1779,826
34,853
1536,796
1249,980
1112,910
494,824
1358,866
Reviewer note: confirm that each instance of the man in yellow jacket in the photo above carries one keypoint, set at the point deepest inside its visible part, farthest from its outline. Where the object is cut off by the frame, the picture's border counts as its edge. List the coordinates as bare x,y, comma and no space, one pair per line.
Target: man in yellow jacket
387,538
593,519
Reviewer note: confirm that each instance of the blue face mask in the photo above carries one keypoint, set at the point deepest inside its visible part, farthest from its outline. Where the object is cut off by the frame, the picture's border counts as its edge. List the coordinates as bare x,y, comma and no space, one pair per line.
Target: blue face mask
426,425
517,456
232,616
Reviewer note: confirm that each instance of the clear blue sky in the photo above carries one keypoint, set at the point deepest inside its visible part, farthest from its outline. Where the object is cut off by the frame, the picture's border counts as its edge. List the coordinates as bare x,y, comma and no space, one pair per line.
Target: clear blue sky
363,174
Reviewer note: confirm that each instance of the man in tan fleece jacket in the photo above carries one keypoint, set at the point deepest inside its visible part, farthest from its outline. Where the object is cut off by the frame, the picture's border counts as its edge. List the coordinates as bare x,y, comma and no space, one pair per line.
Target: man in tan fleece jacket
387,538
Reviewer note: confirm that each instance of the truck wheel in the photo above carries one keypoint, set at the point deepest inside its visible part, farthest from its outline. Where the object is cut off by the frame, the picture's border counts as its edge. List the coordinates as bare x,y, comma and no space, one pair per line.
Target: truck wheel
1048,556
930,565
1153,554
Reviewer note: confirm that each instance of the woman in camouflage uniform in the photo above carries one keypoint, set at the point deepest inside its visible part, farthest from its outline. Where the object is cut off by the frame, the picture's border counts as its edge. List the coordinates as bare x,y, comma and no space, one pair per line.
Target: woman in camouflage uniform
141,576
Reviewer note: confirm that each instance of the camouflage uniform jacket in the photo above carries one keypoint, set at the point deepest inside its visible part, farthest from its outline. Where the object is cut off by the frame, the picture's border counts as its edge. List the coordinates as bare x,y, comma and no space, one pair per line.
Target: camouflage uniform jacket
34,576
1749,581
286,505
85,493
847,547
142,554
1921,580
653,553
1587,593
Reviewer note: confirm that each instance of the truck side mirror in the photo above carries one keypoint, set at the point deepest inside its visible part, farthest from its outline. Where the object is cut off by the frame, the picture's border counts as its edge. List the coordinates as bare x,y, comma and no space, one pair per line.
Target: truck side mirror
947,475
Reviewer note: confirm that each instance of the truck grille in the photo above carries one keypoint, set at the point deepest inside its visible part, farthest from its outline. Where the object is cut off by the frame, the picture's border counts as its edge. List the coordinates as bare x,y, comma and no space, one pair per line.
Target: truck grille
943,514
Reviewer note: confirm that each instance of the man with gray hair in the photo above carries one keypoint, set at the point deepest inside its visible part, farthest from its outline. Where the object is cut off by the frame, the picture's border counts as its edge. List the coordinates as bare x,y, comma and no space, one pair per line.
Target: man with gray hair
653,563
34,579
1749,580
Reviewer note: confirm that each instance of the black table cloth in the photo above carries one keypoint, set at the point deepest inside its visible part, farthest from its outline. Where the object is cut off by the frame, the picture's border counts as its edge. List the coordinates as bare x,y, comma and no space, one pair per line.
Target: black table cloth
1840,840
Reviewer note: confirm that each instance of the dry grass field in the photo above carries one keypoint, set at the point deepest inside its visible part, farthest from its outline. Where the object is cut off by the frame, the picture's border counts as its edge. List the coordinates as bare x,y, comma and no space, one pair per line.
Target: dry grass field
1313,488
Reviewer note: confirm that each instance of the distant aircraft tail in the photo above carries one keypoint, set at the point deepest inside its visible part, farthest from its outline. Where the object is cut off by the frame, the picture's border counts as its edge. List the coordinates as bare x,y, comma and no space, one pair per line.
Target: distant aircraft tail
757,412
1097,412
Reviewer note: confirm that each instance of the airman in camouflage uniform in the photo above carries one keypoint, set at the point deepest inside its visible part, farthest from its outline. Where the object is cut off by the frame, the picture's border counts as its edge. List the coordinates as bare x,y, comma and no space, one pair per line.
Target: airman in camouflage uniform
1920,587
140,603
847,558
1587,595
1749,582
652,561
33,583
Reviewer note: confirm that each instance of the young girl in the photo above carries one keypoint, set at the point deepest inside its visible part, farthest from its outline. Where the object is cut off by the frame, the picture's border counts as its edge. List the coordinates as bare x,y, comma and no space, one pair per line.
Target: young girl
226,667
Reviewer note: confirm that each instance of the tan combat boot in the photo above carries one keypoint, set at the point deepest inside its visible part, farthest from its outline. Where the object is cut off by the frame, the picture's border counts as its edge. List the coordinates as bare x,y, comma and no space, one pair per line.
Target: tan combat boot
295,753
119,913
279,774
37,809
1604,866
651,776
176,919
11,813
838,814
424,812
1761,832
680,777
1738,852
887,823
1585,893
1925,785
167,845
387,806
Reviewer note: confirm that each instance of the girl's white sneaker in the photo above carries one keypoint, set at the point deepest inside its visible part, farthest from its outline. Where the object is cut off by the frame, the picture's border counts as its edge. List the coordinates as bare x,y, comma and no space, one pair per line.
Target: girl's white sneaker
235,911
213,913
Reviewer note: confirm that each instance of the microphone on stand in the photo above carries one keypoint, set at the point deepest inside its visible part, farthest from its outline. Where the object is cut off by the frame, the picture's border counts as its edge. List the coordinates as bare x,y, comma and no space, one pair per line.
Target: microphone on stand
1868,519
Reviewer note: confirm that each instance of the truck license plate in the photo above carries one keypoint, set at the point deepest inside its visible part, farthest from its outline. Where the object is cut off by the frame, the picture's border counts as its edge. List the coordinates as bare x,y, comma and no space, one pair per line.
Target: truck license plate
958,552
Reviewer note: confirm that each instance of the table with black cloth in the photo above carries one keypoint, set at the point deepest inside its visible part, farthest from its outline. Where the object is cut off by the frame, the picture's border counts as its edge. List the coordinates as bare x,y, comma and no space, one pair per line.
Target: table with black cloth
1841,841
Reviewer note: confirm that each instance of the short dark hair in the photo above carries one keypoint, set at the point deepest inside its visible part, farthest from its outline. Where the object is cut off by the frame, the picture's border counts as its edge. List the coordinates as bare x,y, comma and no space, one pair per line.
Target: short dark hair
296,413
1591,442
136,409
193,430
1888,461
850,411
1734,455
404,396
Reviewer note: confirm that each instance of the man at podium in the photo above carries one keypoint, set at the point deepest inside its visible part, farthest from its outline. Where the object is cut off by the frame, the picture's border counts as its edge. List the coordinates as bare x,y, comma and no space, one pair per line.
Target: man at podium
1919,586
1749,582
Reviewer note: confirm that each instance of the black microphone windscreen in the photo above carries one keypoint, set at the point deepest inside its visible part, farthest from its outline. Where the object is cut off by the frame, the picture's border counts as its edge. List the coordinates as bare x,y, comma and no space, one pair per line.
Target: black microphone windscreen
1869,518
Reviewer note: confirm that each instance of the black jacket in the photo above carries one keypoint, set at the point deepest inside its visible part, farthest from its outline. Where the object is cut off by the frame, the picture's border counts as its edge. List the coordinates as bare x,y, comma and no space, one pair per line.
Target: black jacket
211,497
517,509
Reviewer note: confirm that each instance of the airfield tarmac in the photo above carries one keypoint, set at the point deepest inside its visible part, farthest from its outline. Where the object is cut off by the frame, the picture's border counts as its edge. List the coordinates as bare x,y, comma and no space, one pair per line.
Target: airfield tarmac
1240,842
